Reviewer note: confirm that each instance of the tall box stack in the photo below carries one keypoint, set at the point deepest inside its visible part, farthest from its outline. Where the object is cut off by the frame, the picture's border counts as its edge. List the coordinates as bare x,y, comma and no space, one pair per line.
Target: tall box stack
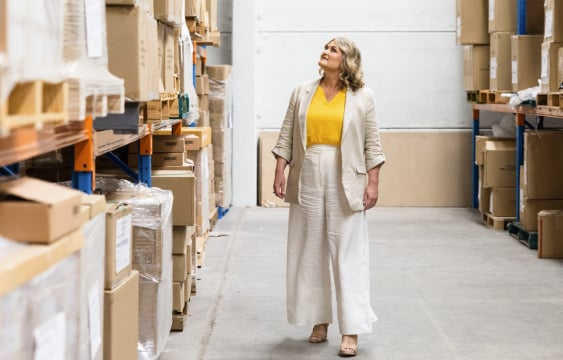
551,63
121,294
498,176
220,118
183,269
472,33
152,258
541,185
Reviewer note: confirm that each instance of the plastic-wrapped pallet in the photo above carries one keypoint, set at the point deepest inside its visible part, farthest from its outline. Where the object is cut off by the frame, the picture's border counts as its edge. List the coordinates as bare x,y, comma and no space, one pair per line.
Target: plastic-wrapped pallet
152,257
220,117
39,292
92,267
201,169
93,90
31,42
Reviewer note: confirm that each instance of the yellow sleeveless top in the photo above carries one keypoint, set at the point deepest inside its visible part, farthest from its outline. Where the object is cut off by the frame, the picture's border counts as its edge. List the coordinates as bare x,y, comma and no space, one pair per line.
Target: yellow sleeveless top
325,118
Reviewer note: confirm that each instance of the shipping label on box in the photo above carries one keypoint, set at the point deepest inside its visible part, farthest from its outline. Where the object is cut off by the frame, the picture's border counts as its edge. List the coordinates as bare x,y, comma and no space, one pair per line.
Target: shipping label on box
119,248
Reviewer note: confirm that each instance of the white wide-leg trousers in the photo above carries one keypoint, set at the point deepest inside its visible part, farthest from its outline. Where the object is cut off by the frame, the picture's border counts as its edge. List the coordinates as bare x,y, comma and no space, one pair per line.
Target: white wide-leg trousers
323,230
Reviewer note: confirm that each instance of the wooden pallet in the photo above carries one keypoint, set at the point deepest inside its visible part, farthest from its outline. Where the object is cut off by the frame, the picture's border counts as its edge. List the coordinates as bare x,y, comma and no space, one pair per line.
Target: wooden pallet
194,285
34,104
473,96
496,222
528,238
493,97
551,99
83,103
165,108
179,319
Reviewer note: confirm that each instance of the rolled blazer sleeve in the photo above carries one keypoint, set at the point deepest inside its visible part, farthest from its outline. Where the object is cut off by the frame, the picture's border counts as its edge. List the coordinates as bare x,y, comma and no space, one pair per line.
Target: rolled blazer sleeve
284,145
373,151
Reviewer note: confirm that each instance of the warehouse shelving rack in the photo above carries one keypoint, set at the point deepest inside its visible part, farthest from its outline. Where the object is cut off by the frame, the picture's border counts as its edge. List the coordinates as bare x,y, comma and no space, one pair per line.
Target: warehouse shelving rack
26,143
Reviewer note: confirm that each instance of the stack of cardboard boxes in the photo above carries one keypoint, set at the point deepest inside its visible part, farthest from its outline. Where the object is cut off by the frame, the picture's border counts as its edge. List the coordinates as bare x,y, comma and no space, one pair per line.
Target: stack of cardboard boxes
514,60
220,118
552,47
541,186
496,159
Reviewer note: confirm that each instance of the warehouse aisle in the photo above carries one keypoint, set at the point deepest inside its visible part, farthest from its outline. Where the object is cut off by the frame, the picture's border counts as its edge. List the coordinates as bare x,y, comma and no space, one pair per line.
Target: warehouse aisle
444,287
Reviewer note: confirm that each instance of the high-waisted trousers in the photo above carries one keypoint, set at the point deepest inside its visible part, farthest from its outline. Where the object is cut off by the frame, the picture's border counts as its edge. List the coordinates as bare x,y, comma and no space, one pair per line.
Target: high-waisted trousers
324,231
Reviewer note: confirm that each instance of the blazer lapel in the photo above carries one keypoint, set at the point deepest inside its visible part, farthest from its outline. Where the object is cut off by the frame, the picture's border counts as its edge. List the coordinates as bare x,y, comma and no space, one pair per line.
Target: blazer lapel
307,97
350,99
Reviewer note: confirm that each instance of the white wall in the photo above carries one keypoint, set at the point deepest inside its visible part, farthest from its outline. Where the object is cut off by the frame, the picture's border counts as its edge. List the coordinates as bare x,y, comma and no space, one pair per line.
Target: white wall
409,55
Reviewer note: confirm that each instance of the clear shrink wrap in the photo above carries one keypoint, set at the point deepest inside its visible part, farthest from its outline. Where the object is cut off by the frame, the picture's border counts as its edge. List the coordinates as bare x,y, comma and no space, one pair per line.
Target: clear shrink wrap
152,253
93,90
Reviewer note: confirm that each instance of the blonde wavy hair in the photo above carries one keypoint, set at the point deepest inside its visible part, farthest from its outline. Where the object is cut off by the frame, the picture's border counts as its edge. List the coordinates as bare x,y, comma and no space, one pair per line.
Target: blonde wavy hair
351,72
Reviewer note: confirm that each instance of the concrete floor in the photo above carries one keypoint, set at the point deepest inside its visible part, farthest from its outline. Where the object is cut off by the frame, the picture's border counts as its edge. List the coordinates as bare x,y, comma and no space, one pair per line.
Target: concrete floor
444,286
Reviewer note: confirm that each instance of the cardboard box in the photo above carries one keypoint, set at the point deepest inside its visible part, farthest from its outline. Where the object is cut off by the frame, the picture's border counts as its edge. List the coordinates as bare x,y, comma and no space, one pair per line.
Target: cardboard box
119,247
266,171
180,266
121,320
543,164
219,72
203,118
481,141
549,66
503,202
483,194
168,144
211,6
526,61
182,185
203,102
476,67
202,84
471,22
133,51
503,16
500,164
553,31
529,209
181,238
501,61
166,55
169,11
160,159
20,266
560,67
550,234
54,210
178,296
193,8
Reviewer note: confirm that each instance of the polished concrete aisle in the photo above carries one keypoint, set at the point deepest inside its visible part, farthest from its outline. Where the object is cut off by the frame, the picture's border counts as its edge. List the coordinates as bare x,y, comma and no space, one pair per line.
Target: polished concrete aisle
444,286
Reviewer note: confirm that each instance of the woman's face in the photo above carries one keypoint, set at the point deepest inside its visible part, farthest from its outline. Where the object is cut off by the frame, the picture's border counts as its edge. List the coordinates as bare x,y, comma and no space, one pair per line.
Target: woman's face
331,57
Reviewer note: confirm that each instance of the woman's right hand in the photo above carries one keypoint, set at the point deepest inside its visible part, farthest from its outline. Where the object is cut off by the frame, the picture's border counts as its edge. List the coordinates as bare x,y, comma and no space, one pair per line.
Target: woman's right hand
279,178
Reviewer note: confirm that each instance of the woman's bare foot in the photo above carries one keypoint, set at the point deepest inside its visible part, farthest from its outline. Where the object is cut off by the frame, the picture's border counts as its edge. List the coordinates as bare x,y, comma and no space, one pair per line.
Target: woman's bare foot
349,346
319,333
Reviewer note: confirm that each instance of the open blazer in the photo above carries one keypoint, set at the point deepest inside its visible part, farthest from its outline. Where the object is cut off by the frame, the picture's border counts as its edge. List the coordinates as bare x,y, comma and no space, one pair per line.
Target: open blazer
360,143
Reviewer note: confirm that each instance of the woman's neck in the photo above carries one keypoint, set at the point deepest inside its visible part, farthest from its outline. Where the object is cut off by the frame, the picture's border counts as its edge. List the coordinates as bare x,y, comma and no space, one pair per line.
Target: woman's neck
332,81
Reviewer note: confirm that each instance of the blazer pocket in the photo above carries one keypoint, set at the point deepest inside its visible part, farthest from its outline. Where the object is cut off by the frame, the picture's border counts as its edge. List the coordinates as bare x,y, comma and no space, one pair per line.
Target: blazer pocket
361,169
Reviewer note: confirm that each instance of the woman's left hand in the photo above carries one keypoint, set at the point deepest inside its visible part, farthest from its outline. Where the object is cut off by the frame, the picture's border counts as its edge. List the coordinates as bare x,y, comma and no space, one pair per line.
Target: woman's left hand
370,196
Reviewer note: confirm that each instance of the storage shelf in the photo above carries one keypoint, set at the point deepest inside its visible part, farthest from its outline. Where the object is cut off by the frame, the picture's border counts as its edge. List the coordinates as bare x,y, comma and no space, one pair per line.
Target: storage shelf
505,108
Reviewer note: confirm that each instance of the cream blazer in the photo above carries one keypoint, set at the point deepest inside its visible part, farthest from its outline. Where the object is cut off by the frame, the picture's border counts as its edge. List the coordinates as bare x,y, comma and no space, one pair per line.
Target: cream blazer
360,142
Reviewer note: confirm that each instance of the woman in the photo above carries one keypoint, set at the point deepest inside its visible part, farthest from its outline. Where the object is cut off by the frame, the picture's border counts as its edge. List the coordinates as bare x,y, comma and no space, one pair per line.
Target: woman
331,142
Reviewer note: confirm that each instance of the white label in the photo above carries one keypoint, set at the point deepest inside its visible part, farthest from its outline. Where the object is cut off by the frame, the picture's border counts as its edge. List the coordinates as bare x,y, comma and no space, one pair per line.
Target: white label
525,173
548,24
491,202
50,339
93,15
521,200
493,68
94,313
491,10
123,243
515,71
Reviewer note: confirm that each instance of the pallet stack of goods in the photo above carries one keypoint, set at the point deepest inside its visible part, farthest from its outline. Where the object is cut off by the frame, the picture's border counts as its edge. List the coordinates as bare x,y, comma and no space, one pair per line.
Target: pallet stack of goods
496,60
496,159
152,258
52,273
541,188
70,83
220,118
201,19
552,56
